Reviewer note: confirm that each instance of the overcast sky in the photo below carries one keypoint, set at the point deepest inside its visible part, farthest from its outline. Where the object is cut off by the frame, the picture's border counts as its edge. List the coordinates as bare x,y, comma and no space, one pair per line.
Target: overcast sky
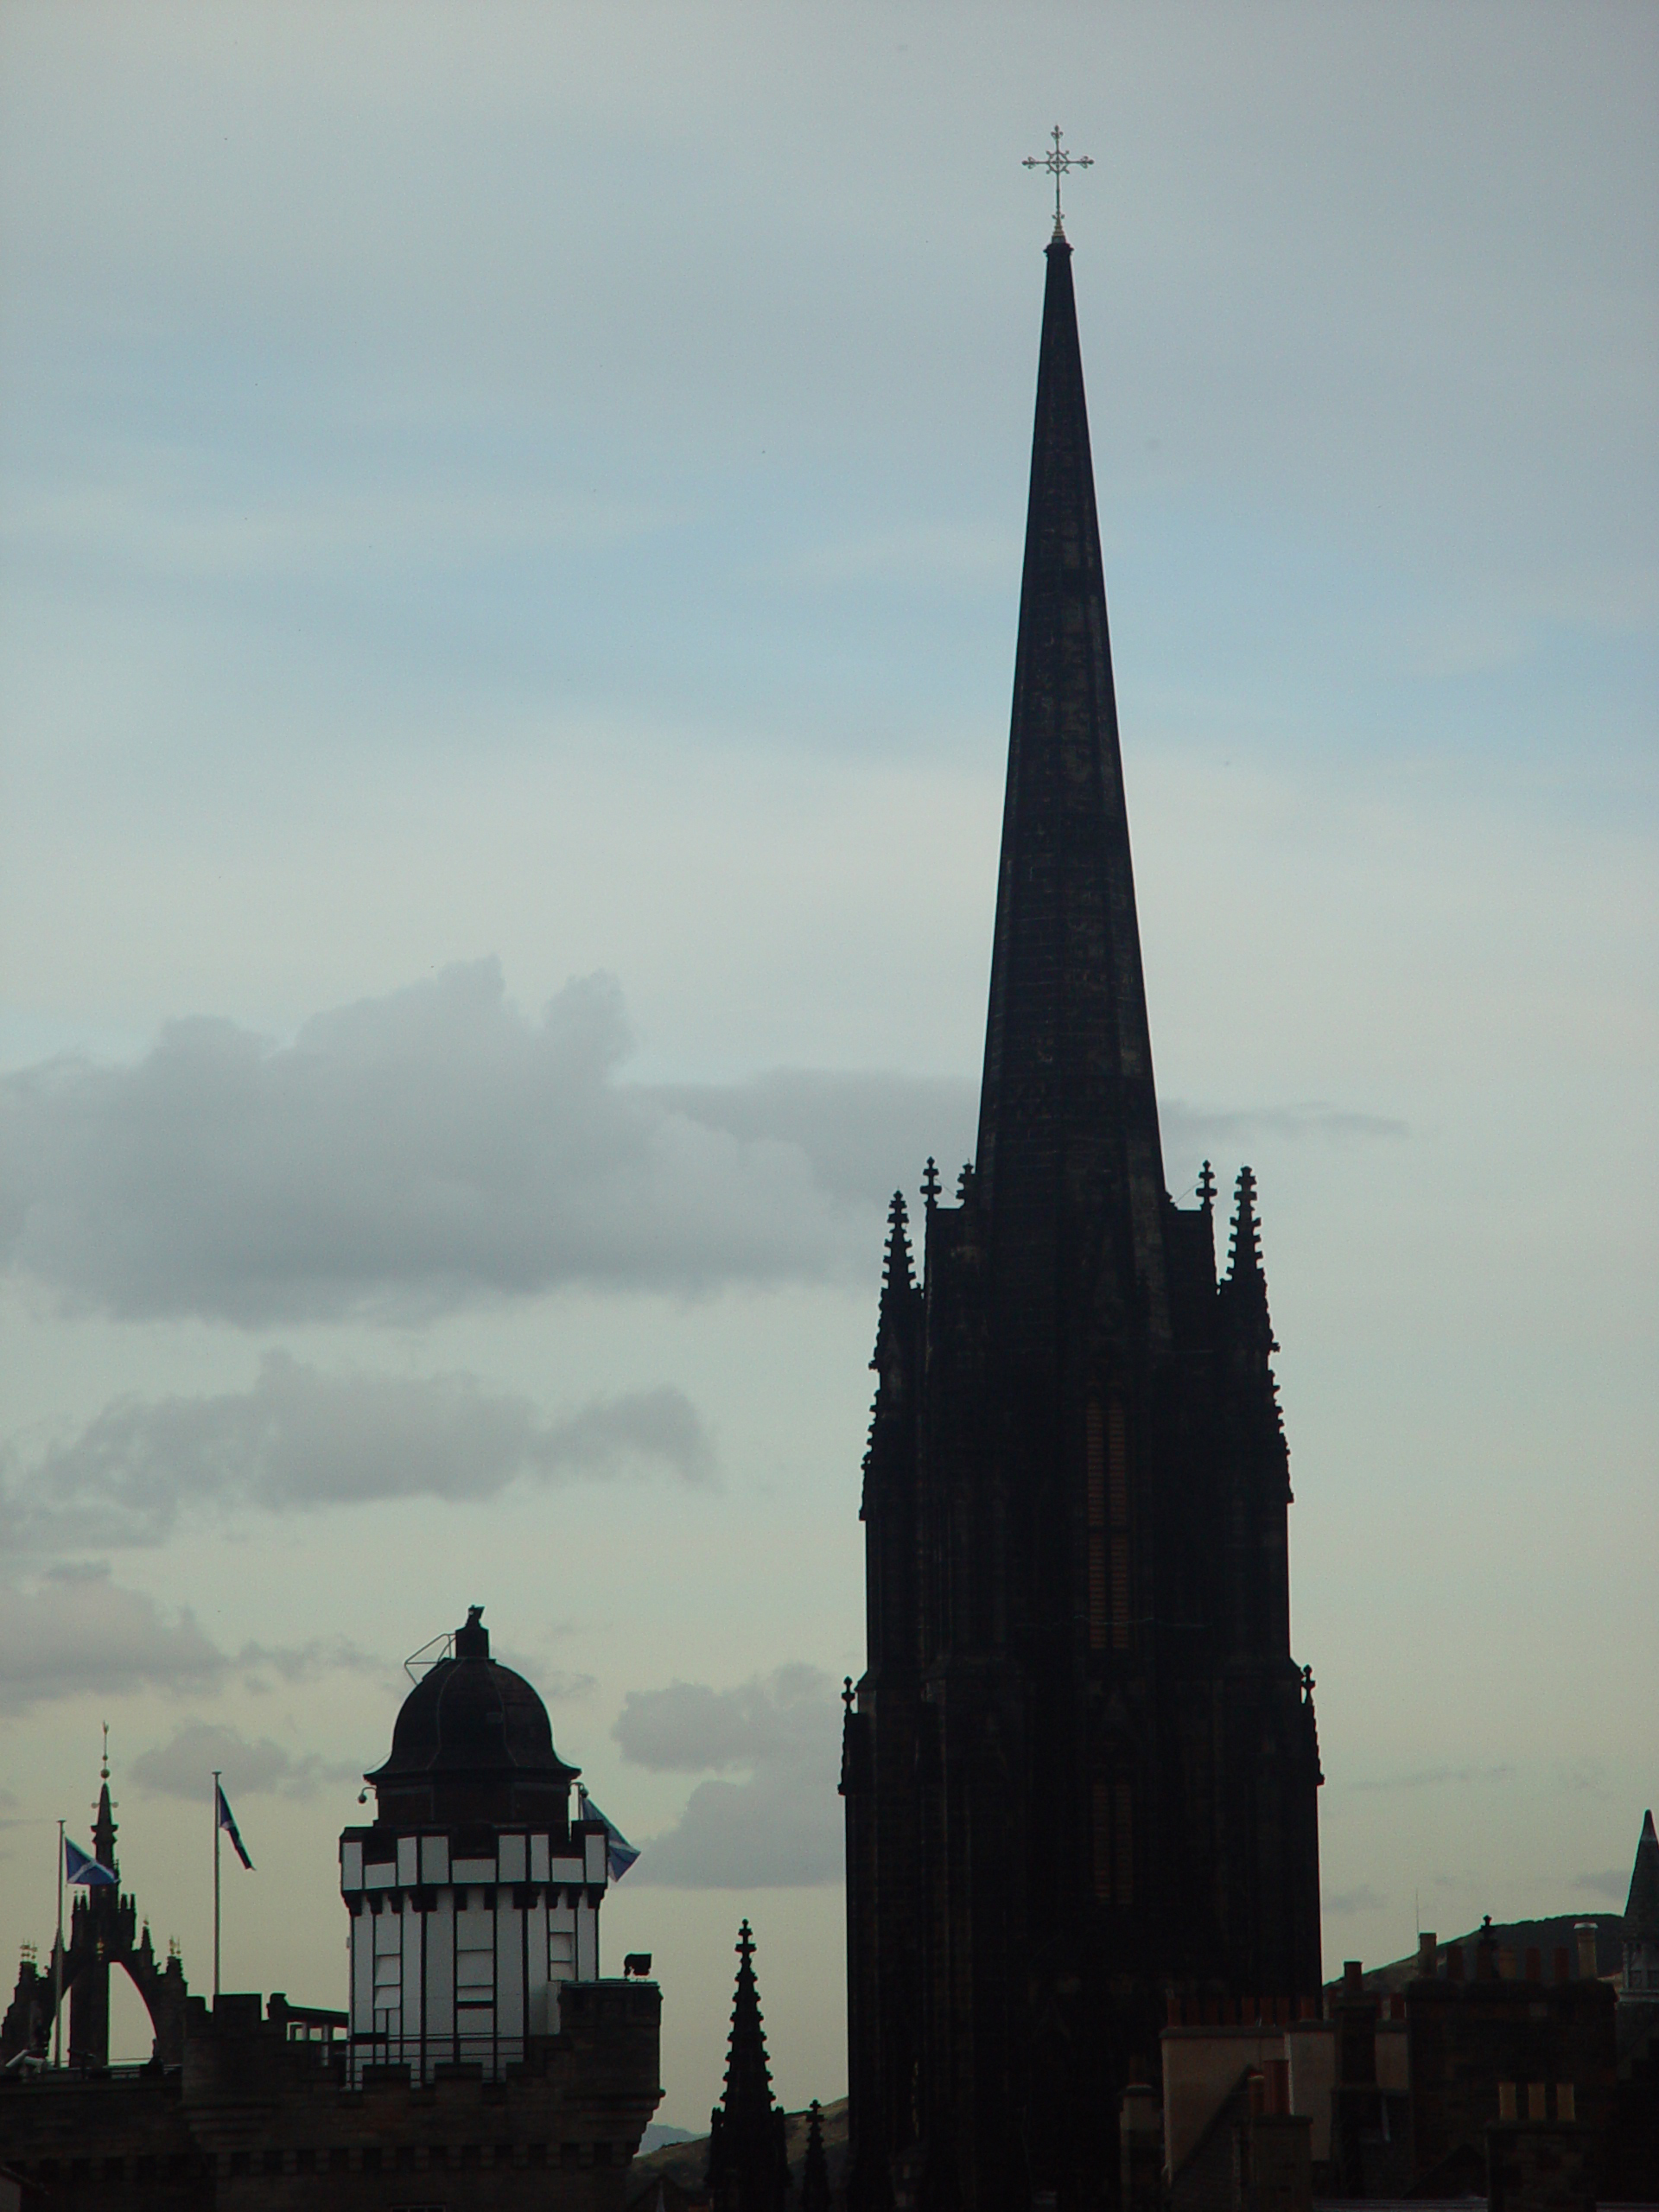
511,521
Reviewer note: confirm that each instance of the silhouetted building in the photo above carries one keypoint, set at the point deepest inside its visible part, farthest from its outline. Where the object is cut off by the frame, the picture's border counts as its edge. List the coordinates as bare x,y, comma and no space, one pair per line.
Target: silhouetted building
473,1897
1081,1767
1482,2067
749,2162
485,2063
104,1933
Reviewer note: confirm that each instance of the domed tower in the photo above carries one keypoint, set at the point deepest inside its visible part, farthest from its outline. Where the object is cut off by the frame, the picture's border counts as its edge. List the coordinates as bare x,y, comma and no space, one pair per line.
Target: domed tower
473,1897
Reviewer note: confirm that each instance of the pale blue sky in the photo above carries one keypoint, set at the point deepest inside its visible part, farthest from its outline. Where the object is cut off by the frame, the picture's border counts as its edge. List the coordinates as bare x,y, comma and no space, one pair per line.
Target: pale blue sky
532,485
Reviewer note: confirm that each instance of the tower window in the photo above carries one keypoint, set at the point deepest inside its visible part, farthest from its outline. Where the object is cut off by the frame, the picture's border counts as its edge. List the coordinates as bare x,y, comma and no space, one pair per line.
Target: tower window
1102,1842
1098,1607
1117,1462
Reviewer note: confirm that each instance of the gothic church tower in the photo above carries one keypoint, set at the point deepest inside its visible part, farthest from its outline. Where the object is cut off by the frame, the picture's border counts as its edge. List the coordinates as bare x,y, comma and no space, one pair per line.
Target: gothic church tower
1080,1768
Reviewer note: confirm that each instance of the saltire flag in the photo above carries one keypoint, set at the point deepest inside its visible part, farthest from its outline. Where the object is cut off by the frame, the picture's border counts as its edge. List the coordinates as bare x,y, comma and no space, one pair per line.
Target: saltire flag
619,1853
79,1866
227,1822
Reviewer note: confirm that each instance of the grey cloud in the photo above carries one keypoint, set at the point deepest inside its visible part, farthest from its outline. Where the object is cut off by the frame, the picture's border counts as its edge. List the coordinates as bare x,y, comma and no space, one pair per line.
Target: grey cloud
780,1827
1439,1777
1342,1903
421,1151
1613,1883
689,1728
864,1135
302,1662
1197,1130
300,1437
76,1631
182,1766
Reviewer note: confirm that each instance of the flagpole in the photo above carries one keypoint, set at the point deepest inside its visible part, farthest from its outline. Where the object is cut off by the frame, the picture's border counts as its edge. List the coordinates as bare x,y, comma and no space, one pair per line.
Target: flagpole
57,1965
217,1771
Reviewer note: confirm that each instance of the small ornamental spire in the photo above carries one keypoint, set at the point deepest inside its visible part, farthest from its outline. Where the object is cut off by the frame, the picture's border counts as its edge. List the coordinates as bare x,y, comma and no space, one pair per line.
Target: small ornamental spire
103,1814
893,1330
897,1274
748,2163
1207,1187
1642,1906
931,1183
815,2172
1245,1256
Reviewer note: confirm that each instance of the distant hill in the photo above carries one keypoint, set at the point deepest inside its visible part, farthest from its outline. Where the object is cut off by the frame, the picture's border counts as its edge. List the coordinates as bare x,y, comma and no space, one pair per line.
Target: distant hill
687,2160
658,2137
1520,1937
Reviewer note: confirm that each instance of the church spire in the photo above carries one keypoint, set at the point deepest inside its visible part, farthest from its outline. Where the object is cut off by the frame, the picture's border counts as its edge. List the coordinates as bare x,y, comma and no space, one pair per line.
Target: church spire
748,2163
815,2172
1070,1164
104,1820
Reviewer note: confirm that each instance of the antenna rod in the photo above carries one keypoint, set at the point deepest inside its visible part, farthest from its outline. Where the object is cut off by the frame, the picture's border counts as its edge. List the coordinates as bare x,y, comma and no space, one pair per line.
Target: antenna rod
217,1771
57,1965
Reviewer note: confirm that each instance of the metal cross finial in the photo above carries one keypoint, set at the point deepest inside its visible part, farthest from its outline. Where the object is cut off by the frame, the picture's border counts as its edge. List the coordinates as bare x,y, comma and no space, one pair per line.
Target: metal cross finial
1057,162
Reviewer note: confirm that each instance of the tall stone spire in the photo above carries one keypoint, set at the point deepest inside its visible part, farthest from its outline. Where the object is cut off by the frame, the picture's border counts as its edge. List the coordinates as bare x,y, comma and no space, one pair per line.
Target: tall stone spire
1070,1164
748,2163
1080,1769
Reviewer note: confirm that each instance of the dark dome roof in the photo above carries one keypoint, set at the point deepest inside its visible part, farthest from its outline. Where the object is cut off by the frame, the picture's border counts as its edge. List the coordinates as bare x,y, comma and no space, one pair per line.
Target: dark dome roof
473,1737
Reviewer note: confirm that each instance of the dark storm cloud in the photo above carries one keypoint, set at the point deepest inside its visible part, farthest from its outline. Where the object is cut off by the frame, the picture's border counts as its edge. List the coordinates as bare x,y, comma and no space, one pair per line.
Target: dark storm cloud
299,1438
416,1152
778,1827
181,1767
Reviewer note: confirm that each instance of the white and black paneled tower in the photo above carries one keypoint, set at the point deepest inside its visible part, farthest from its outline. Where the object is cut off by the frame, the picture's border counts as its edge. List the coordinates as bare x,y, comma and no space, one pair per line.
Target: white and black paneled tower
474,1895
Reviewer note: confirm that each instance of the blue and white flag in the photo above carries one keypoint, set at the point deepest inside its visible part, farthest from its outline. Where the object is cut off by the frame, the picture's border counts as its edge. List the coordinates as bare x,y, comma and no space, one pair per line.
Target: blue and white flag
227,1822
78,1866
619,1853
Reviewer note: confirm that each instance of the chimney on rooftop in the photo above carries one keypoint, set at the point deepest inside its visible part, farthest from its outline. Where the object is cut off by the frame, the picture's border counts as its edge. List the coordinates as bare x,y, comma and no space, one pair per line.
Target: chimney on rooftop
1427,1951
1585,1932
